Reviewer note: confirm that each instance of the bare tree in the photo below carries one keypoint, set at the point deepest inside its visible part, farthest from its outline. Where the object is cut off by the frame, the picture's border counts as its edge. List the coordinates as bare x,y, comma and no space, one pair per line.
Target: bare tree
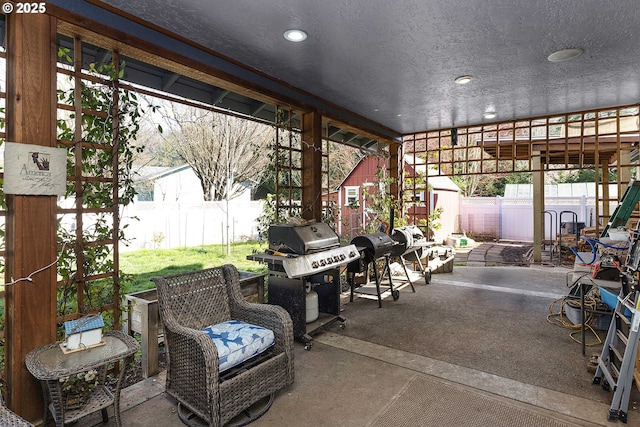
224,151
342,159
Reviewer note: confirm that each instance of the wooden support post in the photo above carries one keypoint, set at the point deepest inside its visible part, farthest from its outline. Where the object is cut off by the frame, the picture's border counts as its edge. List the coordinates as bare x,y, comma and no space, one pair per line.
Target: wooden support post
606,196
31,220
624,177
538,206
312,166
395,171
624,171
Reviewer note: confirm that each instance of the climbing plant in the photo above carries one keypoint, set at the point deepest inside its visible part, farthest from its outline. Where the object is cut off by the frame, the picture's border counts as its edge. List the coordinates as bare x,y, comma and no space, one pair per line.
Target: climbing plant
380,202
98,123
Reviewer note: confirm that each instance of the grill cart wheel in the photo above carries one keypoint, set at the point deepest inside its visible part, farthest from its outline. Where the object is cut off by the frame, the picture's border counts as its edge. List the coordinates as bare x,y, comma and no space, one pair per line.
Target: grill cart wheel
427,276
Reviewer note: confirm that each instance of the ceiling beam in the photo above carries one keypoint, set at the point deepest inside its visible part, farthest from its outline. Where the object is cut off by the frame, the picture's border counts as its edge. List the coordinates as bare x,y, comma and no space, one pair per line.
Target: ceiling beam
256,107
222,94
168,80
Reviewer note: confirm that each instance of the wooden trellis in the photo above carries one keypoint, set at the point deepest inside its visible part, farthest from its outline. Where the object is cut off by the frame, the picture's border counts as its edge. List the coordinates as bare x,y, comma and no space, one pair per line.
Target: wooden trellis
601,140
288,153
84,281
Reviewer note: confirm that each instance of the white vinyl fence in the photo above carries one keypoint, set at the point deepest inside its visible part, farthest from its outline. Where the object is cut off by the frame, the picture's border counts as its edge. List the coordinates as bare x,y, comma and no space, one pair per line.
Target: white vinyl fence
171,225
512,218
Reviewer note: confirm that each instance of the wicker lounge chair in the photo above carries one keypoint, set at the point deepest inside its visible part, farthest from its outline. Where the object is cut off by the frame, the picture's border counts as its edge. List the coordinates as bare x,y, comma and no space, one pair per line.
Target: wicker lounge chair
10,419
191,302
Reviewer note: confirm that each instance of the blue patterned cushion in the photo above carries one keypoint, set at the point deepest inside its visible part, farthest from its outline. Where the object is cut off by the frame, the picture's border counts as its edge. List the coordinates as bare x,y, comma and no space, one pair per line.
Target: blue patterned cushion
238,341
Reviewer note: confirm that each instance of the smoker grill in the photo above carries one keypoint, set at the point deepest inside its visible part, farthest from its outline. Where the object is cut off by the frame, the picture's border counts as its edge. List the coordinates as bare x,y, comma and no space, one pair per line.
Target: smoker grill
373,246
410,242
301,258
411,245
375,252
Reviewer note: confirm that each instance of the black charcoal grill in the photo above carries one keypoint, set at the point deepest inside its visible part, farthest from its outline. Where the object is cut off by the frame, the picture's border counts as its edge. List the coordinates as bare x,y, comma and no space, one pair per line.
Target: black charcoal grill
372,246
375,250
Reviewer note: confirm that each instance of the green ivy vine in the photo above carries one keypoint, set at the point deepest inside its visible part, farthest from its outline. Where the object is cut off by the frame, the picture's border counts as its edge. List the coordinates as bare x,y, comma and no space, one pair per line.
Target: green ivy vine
107,131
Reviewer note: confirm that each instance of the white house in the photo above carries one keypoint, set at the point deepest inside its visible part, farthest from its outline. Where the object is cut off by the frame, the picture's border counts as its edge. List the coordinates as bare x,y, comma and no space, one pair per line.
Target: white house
173,184
170,211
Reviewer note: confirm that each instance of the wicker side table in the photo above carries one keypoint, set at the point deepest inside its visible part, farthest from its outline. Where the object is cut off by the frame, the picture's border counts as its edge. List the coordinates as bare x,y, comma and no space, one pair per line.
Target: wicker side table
49,364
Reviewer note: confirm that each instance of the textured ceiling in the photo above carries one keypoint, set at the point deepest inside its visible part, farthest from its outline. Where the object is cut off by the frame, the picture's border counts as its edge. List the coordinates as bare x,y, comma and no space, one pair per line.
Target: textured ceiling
395,62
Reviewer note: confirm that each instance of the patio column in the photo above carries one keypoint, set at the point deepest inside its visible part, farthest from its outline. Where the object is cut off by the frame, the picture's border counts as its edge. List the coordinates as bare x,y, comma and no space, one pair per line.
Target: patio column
624,172
312,166
606,196
30,306
538,205
395,171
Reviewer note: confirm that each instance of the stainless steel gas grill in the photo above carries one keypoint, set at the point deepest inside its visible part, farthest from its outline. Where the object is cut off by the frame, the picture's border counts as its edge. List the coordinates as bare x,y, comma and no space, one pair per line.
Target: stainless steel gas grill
308,249
304,274
411,245
375,252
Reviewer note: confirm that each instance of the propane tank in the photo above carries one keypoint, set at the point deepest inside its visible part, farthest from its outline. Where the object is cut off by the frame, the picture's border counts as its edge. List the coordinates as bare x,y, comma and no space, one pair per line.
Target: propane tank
312,304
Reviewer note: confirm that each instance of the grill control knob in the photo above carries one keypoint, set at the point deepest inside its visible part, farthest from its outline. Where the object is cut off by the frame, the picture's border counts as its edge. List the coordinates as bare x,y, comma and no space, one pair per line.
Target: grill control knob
315,264
322,263
352,254
342,257
329,260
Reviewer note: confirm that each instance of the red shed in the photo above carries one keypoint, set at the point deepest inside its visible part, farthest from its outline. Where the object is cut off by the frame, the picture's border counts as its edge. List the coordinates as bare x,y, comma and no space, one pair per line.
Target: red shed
354,216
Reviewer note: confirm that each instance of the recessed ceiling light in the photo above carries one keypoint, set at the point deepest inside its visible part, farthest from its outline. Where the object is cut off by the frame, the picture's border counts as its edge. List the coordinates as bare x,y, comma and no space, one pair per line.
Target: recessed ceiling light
564,55
463,80
490,115
295,35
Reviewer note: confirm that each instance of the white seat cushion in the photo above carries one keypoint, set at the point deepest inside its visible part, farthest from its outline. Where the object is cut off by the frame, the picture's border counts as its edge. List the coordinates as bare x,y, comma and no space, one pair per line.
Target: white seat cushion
238,341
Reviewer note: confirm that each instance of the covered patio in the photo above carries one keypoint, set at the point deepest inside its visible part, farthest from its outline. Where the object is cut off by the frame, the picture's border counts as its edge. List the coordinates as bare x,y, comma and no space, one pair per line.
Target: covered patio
385,80
471,348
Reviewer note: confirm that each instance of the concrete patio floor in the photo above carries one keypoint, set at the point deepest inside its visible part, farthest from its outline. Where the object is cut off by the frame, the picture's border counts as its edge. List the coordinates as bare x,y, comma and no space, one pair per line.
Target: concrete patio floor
363,375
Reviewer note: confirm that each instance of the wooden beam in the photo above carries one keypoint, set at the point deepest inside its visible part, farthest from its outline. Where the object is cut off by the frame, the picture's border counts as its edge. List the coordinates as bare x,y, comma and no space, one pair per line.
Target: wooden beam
558,151
31,220
312,166
538,206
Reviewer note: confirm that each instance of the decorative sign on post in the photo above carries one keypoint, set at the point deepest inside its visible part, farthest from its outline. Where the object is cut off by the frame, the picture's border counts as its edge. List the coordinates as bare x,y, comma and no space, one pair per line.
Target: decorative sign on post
34,170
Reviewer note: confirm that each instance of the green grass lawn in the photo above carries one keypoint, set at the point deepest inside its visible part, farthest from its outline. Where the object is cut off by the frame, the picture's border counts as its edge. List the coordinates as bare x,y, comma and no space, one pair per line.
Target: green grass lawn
147,263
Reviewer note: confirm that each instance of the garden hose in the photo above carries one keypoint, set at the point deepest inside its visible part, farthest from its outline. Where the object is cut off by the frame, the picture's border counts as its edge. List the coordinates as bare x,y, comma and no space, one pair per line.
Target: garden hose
593,243
558,318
